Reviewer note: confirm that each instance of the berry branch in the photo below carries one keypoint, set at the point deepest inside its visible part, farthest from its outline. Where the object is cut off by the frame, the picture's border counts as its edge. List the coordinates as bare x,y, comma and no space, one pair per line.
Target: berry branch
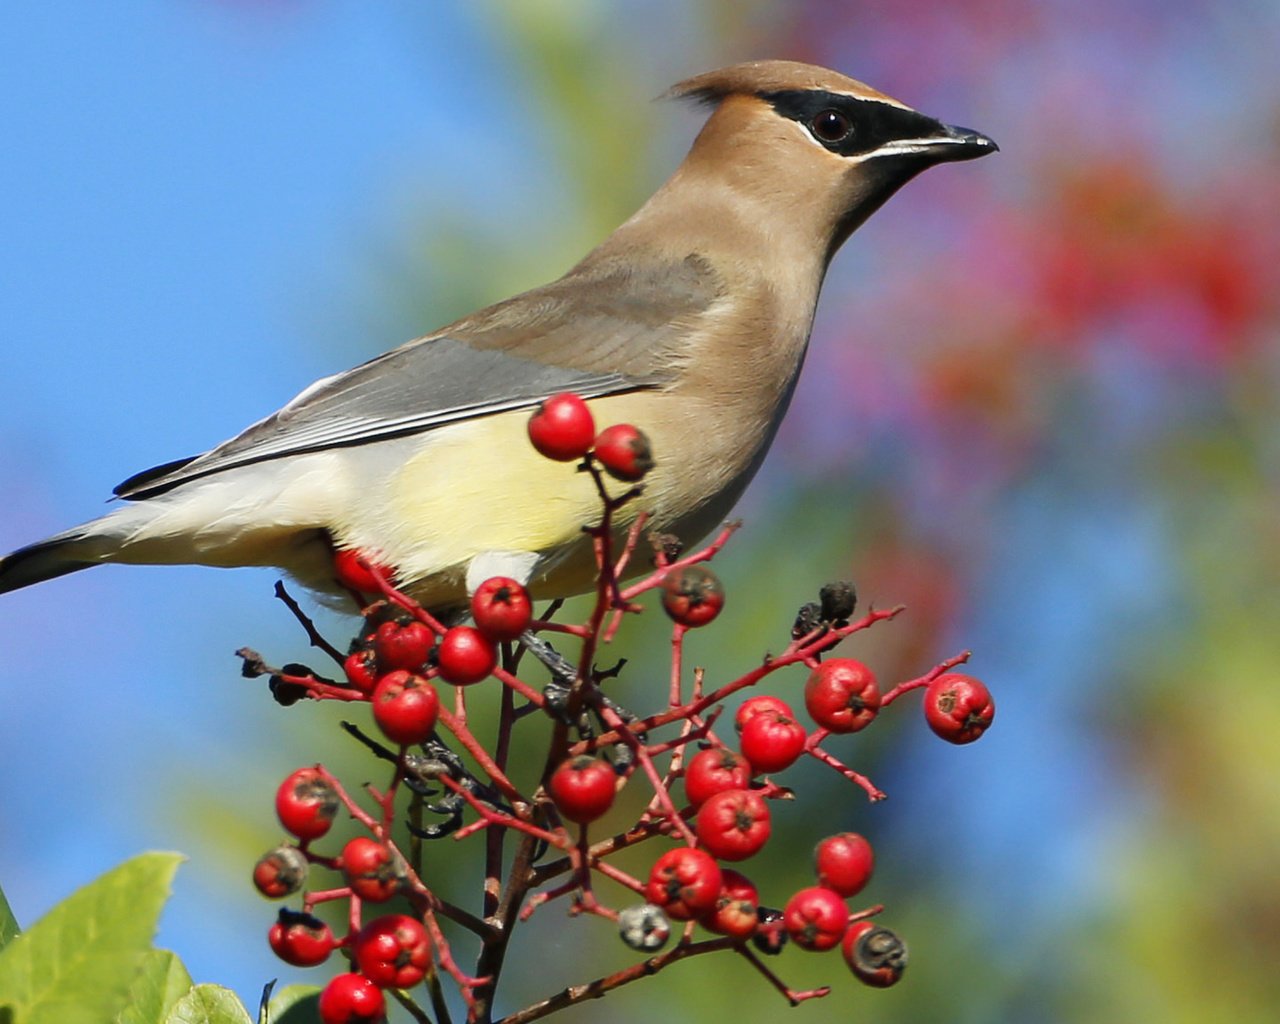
448,782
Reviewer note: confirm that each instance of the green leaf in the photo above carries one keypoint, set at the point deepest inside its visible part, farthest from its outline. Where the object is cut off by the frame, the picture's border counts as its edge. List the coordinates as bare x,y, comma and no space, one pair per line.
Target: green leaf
209,1004
75,965
294,1004
162,981
8,923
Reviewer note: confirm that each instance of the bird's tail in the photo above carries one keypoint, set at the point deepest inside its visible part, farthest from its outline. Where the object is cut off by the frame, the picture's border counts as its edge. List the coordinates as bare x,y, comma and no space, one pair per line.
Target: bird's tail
67,552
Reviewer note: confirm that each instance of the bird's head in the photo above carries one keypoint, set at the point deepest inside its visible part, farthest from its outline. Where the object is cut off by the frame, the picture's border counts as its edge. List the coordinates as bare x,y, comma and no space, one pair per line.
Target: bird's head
812,146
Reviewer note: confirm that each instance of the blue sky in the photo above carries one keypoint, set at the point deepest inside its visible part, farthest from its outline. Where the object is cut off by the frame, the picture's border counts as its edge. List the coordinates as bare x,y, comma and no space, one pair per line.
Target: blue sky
188,192
204,204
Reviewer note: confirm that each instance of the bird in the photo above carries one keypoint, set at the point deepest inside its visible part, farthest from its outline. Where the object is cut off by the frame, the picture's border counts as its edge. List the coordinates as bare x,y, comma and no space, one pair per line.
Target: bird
690,321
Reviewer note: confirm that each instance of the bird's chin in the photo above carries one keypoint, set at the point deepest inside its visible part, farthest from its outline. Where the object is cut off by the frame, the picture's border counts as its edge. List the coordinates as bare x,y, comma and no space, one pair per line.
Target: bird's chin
874,190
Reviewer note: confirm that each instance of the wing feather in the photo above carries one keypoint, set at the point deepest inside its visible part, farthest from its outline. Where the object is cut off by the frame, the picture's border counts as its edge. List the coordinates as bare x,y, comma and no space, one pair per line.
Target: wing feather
603,329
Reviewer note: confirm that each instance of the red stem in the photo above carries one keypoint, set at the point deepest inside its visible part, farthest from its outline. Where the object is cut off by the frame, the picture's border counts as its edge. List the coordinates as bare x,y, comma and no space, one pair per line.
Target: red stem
812,748
482,758
926,679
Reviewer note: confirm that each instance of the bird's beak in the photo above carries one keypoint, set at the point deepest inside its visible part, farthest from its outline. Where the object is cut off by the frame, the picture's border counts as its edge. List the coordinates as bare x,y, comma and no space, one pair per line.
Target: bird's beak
954,143
923,142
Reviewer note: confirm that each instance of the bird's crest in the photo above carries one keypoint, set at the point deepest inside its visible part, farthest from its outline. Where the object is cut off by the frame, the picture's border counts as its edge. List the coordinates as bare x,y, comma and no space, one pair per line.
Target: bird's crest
759,77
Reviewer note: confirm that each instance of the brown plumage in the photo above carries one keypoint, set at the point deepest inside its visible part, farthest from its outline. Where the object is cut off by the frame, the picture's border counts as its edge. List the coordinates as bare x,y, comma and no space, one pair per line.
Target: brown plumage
691,320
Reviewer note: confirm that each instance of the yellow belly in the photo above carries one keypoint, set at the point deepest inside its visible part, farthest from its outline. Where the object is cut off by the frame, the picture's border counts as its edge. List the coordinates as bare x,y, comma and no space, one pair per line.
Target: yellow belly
479,487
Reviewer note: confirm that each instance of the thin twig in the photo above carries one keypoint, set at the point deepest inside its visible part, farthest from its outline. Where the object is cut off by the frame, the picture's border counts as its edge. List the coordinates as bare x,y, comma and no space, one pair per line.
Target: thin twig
313,634
601,986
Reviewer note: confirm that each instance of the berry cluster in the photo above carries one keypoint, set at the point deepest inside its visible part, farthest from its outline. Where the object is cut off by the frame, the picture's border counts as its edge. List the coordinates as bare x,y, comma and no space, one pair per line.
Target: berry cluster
590,749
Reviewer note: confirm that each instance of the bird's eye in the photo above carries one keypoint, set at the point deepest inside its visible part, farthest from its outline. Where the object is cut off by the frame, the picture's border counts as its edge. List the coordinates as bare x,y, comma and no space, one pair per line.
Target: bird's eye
831,126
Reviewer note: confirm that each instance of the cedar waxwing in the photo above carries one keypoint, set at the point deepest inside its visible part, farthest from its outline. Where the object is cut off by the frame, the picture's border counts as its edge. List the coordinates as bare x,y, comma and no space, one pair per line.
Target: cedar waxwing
690,321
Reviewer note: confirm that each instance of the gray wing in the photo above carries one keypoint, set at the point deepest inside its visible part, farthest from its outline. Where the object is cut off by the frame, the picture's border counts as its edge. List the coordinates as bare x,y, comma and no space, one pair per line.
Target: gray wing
600,330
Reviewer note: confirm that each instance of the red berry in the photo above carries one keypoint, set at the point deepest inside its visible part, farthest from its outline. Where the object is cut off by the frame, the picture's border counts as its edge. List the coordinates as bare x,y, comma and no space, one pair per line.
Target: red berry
739,886
624,452
300,939
815,918
361,669
844,863
734,825
842,696
280,872
354,576
754,705
875,955
502,608
715,770
684,882
393,951
372,870
692,596
737,907
465,656
306,803
772,741
406,707
958,707
583,788
352,999
402,645
562,428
